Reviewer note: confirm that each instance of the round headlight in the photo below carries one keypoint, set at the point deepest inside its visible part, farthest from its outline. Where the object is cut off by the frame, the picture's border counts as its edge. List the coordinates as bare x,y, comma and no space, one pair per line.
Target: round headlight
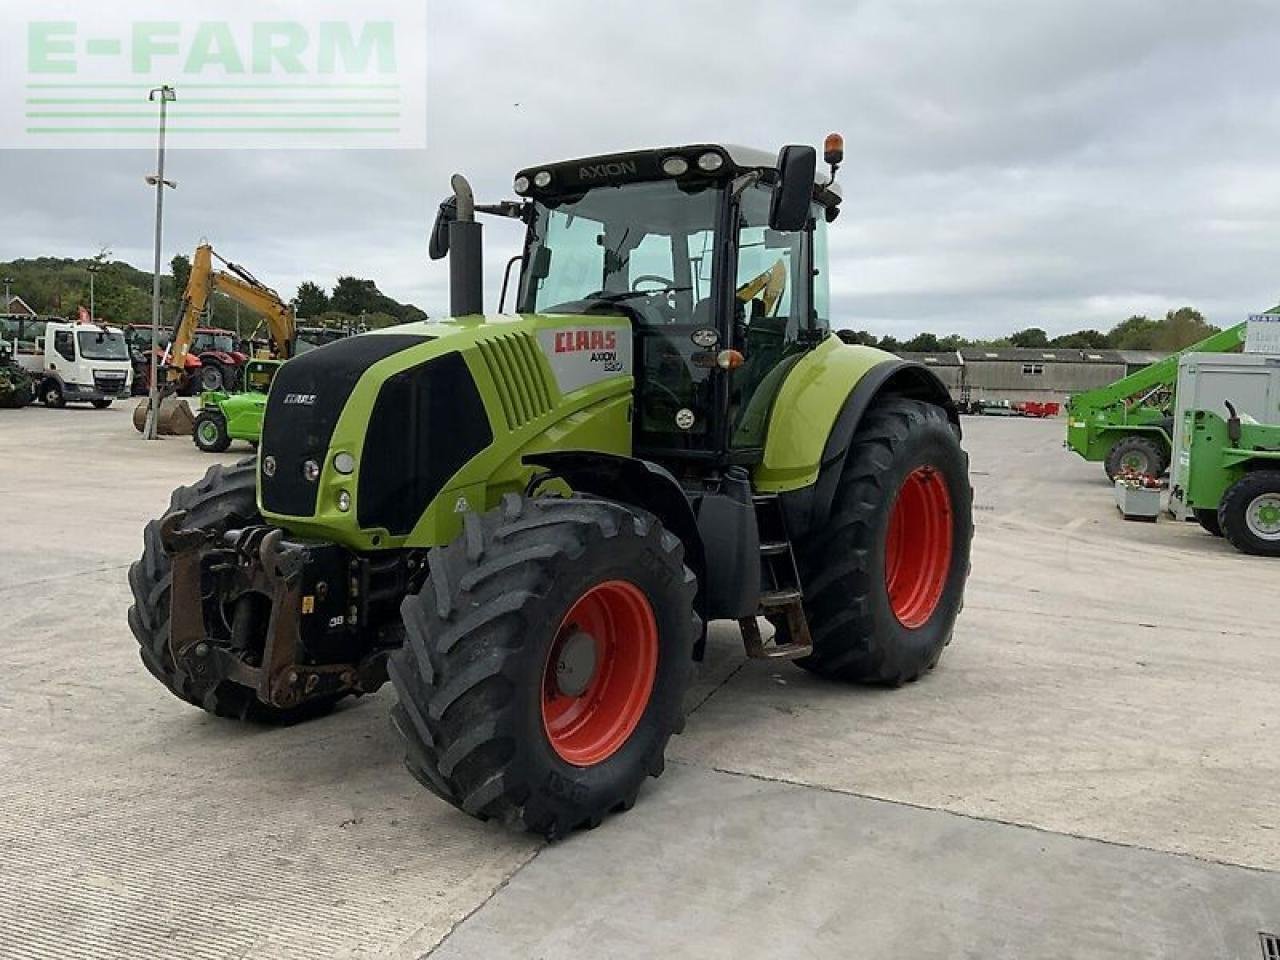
311,470
269,466
521,185
710,162
542,178
344,463
344,501
675,166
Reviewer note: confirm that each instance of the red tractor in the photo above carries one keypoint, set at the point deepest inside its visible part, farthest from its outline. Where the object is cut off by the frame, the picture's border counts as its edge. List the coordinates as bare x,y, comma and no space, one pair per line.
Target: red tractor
213,361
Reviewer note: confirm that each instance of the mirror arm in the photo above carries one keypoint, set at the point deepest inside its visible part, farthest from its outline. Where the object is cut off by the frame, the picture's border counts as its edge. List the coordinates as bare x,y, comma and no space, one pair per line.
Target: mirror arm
740,184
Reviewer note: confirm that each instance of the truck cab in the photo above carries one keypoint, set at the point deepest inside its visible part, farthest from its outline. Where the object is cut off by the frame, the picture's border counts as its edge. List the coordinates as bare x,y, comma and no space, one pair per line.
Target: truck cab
79,362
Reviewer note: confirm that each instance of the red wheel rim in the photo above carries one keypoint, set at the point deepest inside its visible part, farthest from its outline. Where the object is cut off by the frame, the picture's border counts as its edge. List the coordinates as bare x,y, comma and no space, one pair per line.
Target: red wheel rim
611,629
917,555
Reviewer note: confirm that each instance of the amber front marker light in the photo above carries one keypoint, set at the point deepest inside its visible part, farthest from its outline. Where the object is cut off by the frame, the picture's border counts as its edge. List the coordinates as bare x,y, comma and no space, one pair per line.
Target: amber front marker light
729,359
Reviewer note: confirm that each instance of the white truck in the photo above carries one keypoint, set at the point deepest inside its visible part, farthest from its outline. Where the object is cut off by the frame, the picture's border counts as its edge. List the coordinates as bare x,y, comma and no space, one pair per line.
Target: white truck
77,362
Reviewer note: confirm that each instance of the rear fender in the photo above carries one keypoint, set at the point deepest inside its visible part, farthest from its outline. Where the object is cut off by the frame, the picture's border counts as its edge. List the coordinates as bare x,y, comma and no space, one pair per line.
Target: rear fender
834,394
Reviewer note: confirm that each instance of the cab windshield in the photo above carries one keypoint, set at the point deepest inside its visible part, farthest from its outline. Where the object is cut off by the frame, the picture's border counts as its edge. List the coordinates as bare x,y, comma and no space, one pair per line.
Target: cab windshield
648,245
96,345
646,249
214,341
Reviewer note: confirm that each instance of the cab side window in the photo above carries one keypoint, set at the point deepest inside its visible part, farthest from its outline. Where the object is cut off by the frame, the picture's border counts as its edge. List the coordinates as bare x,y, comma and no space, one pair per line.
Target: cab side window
771,305
65,345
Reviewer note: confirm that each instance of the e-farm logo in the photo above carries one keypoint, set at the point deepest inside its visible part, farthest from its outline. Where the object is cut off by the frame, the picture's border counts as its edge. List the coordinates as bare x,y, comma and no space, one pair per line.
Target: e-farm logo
246,73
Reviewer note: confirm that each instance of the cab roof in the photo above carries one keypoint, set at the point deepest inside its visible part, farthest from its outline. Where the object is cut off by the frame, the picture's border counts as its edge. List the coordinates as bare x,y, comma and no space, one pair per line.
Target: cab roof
614,169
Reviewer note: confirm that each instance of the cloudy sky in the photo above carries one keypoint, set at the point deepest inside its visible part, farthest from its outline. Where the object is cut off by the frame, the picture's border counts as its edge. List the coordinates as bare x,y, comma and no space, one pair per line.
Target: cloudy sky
1056,163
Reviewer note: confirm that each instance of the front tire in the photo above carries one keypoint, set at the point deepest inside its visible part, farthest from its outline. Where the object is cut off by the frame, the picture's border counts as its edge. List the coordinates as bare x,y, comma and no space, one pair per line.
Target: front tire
1139,454
101,403
546,662
223,500
884,578
51,395
209,432
1250,513
1208,519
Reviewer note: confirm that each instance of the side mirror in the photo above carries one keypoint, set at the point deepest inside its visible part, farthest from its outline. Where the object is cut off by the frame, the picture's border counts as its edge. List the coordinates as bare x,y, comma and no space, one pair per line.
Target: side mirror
540,265
793,192
438,247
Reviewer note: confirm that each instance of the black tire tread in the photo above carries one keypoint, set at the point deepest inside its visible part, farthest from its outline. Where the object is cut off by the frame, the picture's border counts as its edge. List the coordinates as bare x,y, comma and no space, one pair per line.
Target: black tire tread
455,708
847,645
224,497
1231,512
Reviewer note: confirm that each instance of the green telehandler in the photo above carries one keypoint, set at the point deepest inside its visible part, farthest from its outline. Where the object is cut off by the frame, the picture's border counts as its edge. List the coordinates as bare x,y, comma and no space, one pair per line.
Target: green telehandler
1128,424
526,520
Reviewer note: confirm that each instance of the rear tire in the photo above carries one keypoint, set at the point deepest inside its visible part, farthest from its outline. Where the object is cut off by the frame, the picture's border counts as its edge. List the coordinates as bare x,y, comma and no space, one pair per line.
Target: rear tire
1250,514
1141,454
1208,519
884,578
209,432
492,716
223,500
213,377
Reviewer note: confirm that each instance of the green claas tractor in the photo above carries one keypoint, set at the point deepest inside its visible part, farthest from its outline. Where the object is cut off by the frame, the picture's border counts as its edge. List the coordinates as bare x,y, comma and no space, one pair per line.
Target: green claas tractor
526,520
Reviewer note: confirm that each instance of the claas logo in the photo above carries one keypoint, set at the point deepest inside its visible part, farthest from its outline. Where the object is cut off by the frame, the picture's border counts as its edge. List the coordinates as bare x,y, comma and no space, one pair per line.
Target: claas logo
571,341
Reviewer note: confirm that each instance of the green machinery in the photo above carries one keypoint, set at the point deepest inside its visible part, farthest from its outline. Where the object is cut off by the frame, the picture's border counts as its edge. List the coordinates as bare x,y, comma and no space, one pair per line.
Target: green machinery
1227,470
17,389
1128,424
525,520
225,417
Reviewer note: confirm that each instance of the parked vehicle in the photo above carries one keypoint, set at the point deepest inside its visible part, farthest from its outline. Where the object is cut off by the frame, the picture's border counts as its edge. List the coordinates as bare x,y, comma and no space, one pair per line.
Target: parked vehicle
79,362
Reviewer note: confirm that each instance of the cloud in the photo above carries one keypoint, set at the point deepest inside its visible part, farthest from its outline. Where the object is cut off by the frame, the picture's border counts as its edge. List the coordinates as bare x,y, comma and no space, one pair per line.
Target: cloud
1009,163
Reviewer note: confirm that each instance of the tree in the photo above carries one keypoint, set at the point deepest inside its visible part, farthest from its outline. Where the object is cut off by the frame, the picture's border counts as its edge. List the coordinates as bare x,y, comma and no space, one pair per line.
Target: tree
1181,328
1031,337
1082,340
310,300
1136,333
891,344
355,296
858,338
180,266
922,343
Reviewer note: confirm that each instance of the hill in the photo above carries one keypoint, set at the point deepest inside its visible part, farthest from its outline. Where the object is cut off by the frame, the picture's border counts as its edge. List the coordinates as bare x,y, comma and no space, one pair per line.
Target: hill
55,286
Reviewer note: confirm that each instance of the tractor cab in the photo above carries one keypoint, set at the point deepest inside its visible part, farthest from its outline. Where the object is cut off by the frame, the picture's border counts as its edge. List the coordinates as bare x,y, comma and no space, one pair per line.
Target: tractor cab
716,254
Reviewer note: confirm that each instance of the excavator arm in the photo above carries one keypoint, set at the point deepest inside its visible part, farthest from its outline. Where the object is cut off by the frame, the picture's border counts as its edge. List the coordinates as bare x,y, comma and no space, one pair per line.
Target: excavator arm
241,286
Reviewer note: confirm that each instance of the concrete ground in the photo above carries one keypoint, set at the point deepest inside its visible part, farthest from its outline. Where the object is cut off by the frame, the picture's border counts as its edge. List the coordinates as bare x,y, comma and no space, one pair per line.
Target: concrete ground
1091,772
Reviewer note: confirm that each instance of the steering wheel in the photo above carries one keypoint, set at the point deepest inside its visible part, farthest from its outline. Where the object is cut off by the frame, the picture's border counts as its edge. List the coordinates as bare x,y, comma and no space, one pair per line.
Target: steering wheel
667,285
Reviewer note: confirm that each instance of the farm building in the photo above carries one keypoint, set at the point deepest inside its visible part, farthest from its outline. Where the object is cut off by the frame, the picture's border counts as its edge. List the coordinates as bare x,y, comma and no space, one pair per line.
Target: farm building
1018,375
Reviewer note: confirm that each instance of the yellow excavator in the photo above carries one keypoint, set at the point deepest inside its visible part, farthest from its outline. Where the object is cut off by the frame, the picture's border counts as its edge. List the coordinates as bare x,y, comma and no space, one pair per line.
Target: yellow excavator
240,285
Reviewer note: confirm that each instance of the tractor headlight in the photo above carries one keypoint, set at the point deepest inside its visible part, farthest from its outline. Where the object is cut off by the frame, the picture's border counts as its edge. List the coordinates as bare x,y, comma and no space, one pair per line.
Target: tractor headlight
710,162
311,470
542,178
675,166
344,501
521,185
344,463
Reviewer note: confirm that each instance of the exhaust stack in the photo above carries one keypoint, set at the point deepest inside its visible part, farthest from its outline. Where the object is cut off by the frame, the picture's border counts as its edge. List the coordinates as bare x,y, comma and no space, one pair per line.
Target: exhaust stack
466,253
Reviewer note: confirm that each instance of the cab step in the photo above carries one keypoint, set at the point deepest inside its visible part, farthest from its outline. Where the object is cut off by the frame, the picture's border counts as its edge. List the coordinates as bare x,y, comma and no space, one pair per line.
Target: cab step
781,594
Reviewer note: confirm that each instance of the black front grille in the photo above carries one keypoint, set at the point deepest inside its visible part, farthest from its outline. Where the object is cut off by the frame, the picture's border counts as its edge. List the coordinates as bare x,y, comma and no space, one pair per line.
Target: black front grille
109,382
307,396
427,422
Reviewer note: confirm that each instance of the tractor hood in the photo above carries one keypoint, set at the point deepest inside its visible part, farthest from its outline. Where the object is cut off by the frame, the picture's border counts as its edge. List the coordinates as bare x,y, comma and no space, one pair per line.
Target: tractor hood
383,422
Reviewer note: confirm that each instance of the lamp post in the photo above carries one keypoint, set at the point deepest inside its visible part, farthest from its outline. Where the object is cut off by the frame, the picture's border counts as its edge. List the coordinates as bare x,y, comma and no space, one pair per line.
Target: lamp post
7,299
164,95
93,270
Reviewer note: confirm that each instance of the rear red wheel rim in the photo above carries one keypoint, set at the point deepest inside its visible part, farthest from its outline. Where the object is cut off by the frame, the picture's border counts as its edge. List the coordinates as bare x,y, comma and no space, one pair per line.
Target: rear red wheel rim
614,621
917,555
